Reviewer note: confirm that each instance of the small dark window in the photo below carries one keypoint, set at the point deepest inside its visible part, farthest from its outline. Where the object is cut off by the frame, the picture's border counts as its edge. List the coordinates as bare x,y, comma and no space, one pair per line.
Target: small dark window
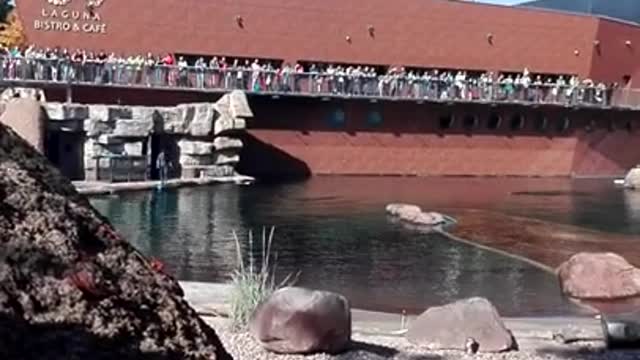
628,126
470,122
563,124
541,123
517,122
446,122
494,122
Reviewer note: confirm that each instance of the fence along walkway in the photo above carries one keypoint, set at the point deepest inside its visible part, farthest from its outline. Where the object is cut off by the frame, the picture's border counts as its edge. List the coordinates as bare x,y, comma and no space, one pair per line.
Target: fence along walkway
45,72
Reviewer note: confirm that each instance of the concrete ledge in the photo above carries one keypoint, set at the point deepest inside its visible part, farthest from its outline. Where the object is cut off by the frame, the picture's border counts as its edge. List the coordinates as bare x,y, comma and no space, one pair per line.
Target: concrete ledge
105,188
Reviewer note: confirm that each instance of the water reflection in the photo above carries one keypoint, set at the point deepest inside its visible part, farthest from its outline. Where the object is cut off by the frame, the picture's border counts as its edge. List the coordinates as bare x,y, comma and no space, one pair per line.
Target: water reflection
335,232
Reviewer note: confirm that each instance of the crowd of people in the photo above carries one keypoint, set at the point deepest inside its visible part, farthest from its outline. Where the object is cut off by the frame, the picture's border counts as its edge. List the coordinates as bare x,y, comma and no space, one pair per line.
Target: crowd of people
62,65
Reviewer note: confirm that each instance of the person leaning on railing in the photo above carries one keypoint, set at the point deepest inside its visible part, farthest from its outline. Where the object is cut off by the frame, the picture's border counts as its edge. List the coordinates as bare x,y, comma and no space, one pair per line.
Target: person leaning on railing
84,66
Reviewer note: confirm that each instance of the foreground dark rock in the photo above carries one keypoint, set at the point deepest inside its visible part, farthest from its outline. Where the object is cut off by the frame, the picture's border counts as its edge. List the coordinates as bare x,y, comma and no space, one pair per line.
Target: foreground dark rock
453,326
301,321
603,276
71,287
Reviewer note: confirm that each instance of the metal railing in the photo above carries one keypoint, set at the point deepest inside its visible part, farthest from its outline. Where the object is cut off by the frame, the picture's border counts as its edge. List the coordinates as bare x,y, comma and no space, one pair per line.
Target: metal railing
286,81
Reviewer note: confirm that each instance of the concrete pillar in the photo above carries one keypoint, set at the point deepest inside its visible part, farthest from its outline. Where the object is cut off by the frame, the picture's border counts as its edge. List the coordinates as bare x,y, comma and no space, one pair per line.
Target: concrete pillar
27,118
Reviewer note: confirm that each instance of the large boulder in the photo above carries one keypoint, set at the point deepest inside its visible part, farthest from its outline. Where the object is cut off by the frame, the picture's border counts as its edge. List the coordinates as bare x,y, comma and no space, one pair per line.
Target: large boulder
300,321
452,326
71,287
599,276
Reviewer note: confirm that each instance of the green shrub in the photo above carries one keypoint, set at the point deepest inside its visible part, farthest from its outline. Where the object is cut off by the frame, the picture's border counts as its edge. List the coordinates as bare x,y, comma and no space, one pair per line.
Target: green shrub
251,285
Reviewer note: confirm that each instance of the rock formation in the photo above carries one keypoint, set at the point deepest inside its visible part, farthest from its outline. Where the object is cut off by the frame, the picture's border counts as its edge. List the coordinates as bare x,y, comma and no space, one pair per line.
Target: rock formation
300,321
457,325
599,276
414,215
71,287
201,133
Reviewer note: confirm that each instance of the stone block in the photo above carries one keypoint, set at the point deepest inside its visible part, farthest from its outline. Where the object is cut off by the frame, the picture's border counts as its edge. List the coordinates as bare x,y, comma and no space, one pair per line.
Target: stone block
198,118
142,113
120,112
190,147
171,120
239,106
239,124
55,111
219,171
226,157
133,128
133,148
76,111
95,127
99,112
191,172
109,140
93,148
196,160
224,143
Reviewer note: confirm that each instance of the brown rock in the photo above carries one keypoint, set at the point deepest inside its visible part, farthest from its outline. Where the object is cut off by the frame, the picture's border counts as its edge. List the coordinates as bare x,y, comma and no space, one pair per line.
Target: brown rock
300,321
452,326
603,276
71,287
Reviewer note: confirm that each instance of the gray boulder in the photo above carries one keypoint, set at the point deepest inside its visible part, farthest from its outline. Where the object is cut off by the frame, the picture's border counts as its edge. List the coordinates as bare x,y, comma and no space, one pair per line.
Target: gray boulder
452,326
632,179
599,276
300,321
414,214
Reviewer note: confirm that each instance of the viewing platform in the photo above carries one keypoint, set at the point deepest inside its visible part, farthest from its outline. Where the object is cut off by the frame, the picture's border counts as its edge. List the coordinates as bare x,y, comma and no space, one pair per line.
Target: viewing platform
68,78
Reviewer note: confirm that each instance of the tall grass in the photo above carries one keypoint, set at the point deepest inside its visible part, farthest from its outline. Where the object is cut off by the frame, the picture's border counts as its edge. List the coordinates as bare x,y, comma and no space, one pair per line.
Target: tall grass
250,284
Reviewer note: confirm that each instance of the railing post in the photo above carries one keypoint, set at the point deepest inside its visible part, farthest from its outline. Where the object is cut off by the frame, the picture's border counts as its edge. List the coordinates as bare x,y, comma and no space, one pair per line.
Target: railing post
69,92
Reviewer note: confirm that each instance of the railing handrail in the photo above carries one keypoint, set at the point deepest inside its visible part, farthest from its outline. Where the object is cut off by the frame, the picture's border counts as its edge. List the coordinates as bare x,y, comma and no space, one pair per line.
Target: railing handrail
287,80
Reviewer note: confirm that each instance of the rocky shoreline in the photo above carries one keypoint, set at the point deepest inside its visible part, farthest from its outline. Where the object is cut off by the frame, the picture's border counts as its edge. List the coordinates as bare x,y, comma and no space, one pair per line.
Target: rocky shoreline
377,336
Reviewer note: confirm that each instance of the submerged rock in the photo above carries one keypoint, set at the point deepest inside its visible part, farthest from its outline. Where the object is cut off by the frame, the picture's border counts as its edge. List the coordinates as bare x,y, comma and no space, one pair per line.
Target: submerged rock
452,326
414,214
599,276
73,288
300,321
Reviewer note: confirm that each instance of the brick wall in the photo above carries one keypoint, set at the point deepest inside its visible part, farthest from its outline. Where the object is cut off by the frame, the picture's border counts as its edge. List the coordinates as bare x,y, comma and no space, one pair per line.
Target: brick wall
302,137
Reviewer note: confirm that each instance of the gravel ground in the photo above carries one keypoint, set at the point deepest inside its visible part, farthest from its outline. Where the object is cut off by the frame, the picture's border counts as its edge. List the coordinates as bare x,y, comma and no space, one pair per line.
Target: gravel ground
243,347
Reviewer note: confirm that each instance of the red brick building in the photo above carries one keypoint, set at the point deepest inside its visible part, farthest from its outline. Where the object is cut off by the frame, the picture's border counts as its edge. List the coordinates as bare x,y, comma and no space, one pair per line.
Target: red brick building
293,135
418,33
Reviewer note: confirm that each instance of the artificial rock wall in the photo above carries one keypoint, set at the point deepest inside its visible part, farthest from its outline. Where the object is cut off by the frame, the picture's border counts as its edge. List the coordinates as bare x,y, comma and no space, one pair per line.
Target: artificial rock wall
204,134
